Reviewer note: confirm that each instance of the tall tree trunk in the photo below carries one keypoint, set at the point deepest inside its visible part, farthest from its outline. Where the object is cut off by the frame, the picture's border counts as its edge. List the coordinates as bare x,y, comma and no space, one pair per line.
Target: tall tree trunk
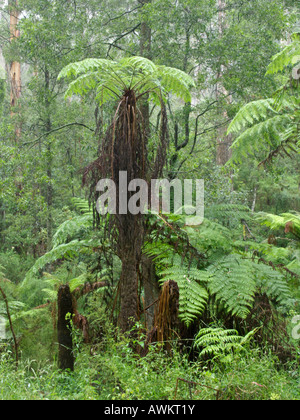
146,51
15,67
224,141
64,329
49,188
149,281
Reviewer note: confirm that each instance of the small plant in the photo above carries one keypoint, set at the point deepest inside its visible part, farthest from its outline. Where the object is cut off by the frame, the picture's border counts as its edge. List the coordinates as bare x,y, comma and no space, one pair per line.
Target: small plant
217,342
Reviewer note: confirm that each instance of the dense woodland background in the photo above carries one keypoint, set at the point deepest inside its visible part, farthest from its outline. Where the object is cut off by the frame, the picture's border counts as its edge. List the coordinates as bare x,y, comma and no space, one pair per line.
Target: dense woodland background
215,305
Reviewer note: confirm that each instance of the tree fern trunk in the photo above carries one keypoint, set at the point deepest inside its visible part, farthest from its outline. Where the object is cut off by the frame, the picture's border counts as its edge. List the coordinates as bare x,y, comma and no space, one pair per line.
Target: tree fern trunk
64,329
128,315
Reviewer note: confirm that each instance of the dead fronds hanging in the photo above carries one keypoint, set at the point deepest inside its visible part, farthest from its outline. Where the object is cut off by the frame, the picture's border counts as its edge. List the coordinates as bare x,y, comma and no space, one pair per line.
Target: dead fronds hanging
166,320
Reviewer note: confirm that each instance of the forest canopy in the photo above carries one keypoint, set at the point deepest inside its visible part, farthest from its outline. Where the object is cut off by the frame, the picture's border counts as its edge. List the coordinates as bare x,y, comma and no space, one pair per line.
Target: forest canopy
151,304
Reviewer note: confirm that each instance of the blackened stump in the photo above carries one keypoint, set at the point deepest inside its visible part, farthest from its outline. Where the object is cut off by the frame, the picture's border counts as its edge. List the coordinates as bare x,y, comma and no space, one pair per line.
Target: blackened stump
64,329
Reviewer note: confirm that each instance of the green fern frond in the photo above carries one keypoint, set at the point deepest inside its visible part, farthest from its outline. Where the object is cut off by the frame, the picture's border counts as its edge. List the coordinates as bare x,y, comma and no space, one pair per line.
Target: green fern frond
83,206
215,342
274,285
68,230
276,222
289,55
251,113
210,236
64,251
264,137
139,64
89,65
233,284
193,293
110,79
176,82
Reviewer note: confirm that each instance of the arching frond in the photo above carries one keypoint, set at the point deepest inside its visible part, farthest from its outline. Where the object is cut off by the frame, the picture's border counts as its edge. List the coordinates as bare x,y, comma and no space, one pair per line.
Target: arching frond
110,79
251,113
265,136
89,65
289,55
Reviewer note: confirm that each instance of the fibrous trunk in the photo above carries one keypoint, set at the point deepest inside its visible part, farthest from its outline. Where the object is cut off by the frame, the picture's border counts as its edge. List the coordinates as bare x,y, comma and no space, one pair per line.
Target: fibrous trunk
64,329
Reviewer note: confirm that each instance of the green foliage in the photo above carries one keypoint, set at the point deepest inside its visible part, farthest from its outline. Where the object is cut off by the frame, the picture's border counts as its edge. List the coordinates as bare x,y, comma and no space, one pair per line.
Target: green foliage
230,277
289,55
192,285
69,251
219,342
288,221
270,126
233,284
111,79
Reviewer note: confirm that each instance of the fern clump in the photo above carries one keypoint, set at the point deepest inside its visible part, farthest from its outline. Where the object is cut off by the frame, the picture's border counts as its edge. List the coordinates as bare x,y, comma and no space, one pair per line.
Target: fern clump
217,342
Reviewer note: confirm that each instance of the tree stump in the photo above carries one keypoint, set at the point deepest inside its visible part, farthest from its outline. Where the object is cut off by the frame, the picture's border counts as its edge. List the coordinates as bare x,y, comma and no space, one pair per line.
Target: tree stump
64,329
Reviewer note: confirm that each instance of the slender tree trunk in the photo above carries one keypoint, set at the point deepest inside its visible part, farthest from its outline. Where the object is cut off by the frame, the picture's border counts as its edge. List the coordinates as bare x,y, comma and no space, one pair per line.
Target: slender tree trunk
146,51
64,329
15,67
49,188
149,281
224,141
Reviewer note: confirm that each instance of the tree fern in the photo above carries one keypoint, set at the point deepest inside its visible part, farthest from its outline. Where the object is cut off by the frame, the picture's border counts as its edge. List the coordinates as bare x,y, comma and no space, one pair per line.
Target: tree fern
110,79
270,126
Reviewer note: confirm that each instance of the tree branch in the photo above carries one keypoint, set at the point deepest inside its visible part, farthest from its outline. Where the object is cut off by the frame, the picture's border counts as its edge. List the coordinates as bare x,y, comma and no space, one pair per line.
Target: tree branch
55,130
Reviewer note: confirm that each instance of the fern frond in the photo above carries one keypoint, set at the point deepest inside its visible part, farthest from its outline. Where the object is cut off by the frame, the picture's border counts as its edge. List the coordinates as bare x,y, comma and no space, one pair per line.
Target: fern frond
251,113
217,342
192,285
210,236
83,206
289,55
264,137
288,221
64,251
176,81
233,284
68,230
86,66
274,285
139,64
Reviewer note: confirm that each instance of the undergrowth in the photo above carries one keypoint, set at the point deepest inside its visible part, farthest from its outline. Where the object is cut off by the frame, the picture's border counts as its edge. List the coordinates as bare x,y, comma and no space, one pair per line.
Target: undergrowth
111,370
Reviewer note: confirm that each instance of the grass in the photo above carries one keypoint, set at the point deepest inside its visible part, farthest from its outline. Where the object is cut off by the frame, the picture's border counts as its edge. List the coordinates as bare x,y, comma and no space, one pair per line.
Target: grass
114,372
